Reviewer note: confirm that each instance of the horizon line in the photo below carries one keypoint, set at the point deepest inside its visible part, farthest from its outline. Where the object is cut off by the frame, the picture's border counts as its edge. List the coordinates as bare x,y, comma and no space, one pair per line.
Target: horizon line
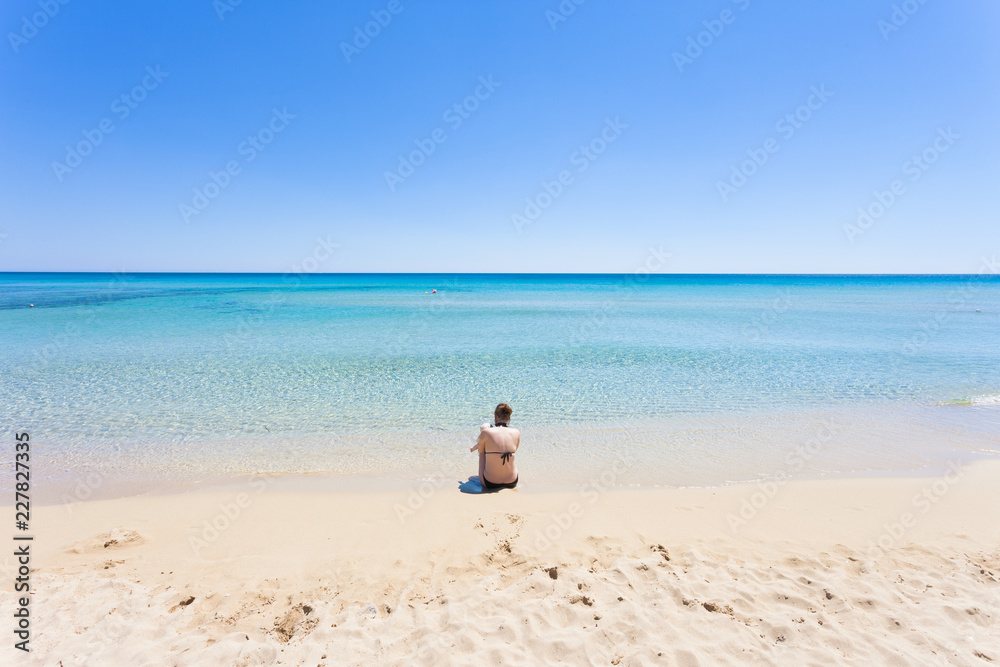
480,273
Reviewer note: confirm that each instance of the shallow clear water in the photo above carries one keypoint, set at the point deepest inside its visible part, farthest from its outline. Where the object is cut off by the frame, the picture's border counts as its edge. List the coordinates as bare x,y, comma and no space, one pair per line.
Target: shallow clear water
153,379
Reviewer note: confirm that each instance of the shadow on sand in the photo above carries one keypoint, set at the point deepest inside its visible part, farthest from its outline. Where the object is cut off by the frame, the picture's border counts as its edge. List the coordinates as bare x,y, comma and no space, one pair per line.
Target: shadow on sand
471,485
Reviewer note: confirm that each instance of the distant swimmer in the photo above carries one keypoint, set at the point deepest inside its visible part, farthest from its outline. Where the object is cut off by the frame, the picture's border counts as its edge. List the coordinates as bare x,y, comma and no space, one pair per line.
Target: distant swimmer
434,291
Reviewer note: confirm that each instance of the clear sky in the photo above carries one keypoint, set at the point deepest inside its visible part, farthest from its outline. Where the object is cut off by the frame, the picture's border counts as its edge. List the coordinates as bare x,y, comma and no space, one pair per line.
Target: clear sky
667,122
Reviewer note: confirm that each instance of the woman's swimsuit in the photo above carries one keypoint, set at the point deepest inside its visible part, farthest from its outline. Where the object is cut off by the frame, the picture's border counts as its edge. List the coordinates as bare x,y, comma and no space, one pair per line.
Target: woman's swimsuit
490,486
504,457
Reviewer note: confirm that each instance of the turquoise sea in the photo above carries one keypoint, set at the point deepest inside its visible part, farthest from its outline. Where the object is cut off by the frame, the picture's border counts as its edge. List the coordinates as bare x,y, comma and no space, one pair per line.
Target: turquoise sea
149,381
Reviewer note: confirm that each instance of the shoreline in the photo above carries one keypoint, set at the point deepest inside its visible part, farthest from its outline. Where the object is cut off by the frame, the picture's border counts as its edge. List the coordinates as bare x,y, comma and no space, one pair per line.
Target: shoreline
369,483
333,487
281,573
681,452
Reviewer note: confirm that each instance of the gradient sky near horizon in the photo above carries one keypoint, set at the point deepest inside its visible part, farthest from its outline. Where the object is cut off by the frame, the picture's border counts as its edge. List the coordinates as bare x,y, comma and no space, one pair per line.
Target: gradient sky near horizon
559,79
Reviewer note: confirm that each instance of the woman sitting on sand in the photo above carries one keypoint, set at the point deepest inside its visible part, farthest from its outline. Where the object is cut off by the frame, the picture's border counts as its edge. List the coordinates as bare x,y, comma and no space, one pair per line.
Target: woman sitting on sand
496,445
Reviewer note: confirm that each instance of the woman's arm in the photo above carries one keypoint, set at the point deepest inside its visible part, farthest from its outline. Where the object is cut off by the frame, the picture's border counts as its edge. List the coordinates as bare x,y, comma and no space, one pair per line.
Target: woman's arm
479,441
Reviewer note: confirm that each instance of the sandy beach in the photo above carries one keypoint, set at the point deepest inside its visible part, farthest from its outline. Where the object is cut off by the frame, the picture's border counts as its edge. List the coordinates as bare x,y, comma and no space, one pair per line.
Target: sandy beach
714,287
326,571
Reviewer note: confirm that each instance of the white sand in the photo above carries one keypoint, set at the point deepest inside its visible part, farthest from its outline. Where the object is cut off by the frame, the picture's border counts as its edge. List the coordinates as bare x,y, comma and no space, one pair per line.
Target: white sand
306,575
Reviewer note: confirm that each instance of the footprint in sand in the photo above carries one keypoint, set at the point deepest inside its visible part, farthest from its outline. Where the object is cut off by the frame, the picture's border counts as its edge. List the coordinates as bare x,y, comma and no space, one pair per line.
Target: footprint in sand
184,602
717,608
660,549
299,621
504,530
118,538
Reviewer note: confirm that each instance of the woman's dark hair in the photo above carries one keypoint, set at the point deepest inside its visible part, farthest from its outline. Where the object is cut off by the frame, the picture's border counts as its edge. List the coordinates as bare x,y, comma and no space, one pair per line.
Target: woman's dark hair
502,413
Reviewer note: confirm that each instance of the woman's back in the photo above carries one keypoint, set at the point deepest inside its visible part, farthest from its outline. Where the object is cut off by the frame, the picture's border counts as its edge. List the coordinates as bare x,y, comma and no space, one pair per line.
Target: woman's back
499,444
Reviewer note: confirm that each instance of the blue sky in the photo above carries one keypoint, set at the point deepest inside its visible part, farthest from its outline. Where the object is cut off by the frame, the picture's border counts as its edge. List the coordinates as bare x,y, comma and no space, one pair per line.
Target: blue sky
644,125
